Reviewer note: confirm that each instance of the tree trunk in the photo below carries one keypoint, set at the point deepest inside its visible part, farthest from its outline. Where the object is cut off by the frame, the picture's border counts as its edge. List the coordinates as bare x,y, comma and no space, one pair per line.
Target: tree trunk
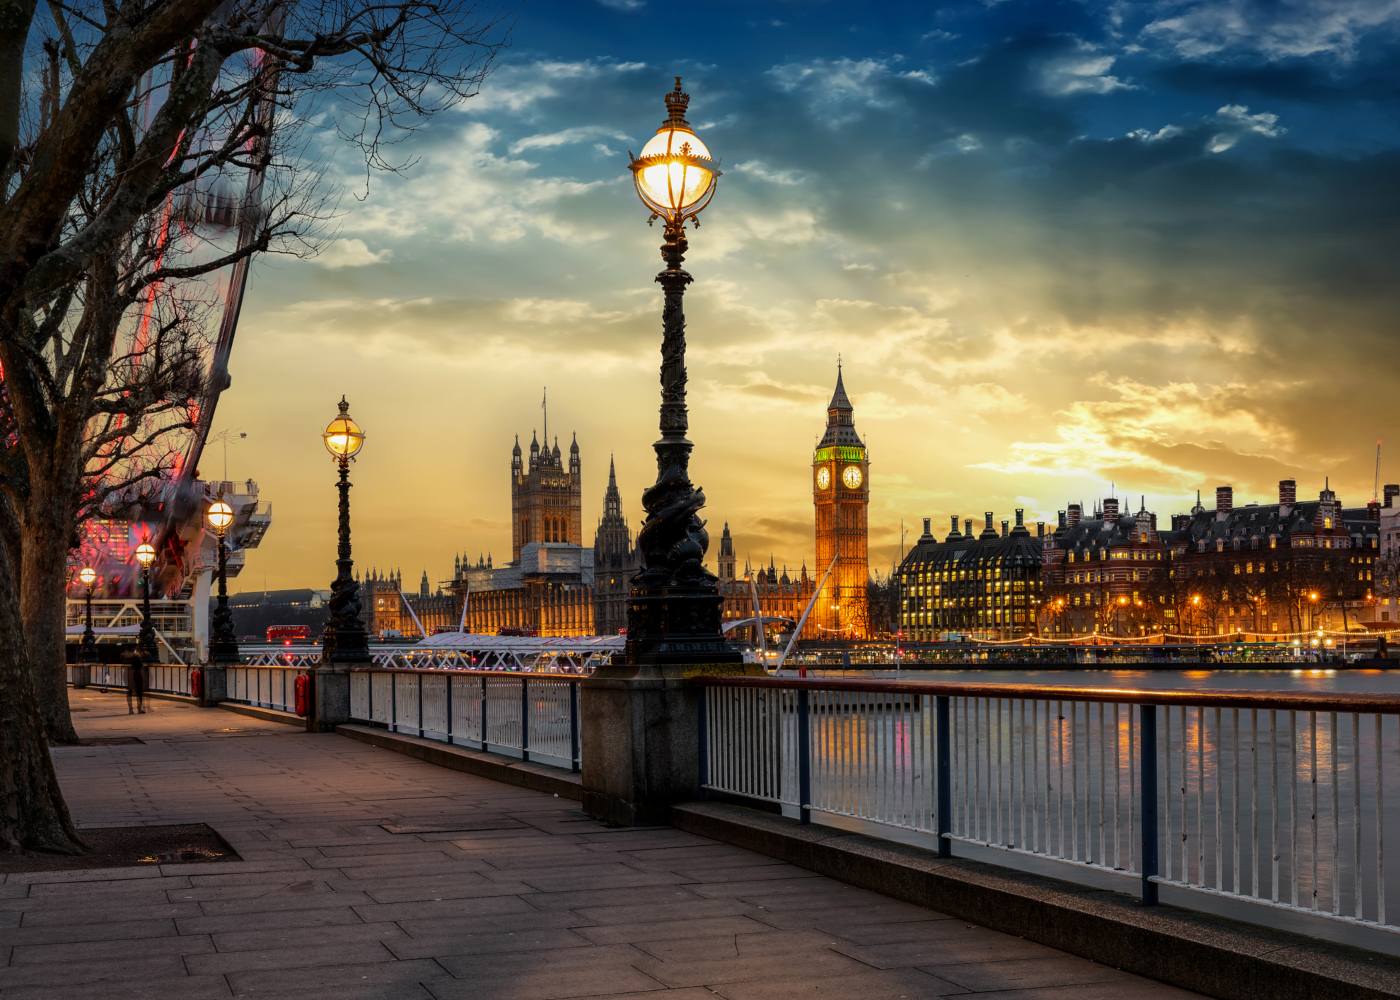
32,811
43,609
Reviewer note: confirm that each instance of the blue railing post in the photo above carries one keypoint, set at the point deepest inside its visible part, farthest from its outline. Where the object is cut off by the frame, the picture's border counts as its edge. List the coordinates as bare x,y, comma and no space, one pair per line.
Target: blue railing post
524,718
447,679
393,702
704,727
804,758
943,768
574,758
420,706
483,714
1147,765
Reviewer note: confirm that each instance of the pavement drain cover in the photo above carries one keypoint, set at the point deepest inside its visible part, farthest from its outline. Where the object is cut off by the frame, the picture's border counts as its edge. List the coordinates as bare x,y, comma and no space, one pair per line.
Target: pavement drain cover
183,855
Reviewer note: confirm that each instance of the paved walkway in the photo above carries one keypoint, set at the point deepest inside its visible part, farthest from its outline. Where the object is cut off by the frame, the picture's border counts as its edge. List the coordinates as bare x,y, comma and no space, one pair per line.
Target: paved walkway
369,874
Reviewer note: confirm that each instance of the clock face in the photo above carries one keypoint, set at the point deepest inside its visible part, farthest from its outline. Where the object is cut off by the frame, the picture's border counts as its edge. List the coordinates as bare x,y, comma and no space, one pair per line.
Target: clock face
851,476
823,478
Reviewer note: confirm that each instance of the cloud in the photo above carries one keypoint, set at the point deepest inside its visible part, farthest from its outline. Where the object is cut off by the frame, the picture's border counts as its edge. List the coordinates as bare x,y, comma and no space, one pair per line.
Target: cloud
1082,70
624,4
340,254
773,175
565,137
1274,29
1237,122
838,90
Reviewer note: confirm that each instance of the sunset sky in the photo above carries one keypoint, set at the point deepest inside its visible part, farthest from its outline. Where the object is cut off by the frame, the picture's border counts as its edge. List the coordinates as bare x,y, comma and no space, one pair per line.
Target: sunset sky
1058,244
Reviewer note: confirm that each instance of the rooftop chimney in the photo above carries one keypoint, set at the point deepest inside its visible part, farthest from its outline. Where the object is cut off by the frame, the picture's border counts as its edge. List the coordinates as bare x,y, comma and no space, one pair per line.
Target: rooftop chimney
1039,529
1224,499
1075,510
1110,510
989,529
1005,527
928,526
1180,521
1287,492
1061,517
955,533
1020,517
1391,492
1373,510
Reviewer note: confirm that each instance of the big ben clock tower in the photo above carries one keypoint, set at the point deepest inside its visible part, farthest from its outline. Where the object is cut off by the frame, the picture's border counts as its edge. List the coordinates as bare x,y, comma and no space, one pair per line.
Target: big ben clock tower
841,494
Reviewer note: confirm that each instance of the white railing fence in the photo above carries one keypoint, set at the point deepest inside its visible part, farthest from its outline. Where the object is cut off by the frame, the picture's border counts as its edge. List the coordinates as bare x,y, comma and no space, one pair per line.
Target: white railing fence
1280,801
161,678
527,715
264,686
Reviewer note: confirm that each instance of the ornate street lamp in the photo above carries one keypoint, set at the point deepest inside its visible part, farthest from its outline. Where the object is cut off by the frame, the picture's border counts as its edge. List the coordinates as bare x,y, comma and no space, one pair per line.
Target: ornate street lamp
344,640
673,614
146,638
223,643
87,651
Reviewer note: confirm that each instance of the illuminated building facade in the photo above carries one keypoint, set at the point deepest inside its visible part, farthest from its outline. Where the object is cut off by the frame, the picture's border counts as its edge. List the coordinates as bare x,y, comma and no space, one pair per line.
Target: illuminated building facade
1285,567
1105,573
841,497
780,594
984,585
615,562
546,500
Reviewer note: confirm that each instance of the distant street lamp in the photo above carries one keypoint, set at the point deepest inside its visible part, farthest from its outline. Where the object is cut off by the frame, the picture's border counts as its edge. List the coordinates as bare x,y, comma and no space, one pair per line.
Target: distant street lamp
674,611
87,651
223,643
344,640
146,638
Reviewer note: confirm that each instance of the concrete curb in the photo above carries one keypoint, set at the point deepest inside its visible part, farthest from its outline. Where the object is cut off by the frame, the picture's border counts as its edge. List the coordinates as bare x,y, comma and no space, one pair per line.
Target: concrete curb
507,770
258,712
1211,955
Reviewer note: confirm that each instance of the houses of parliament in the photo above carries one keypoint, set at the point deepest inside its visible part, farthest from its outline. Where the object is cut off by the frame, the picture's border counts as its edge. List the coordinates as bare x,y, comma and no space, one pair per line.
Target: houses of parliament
555,585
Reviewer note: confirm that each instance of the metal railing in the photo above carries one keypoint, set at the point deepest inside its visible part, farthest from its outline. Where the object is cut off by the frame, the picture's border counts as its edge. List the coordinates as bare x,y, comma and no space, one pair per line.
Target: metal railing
264,686
161,678
1277,800
527,715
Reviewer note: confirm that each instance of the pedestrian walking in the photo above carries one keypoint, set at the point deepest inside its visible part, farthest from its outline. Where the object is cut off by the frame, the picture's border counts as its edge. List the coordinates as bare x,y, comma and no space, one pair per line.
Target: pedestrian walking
136,683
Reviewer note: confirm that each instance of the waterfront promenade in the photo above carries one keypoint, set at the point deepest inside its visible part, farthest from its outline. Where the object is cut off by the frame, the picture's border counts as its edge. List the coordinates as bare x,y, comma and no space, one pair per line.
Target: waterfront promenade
369,874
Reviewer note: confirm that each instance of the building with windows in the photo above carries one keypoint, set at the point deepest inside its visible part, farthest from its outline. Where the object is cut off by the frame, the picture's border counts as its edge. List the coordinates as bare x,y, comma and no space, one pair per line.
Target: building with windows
1285,567
1104,573
973,584
841,497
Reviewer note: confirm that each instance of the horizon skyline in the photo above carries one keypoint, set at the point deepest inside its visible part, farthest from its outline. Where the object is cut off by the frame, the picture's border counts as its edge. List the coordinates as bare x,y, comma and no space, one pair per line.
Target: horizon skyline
1059,246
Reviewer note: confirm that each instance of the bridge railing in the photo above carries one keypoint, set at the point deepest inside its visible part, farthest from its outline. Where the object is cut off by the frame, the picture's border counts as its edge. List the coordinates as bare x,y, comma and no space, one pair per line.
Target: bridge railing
266,686
532,716
1283,801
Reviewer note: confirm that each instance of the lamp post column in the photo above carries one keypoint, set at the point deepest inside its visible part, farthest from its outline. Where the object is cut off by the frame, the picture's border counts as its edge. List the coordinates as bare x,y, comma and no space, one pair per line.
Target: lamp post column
639,714
146,638
223,642
345,642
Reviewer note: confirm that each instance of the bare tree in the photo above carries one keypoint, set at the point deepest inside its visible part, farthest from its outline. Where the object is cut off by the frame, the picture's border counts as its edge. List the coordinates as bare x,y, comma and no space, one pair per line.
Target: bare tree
123,122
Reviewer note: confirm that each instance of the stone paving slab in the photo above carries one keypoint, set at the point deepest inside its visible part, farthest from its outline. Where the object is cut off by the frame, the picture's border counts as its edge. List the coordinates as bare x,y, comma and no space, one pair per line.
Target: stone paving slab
367,874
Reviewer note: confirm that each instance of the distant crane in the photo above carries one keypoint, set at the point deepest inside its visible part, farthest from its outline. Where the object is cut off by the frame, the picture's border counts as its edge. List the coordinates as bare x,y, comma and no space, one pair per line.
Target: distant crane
1376,485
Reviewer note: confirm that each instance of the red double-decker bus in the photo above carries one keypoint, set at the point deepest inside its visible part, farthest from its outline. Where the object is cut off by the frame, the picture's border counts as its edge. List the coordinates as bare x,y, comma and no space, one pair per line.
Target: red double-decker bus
288,635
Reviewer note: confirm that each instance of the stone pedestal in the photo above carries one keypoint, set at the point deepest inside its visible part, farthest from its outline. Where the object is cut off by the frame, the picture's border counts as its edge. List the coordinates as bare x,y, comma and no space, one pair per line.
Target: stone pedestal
215,685
641,739
81,674
330,697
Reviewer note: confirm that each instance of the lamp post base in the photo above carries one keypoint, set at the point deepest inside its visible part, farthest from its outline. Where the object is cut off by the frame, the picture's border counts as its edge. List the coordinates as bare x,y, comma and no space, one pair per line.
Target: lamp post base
677,627
641,727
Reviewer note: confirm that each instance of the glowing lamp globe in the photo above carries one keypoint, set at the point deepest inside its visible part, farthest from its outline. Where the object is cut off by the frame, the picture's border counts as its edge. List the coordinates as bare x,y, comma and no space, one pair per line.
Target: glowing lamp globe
343,436
220,516
87,575
675,174
145,554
